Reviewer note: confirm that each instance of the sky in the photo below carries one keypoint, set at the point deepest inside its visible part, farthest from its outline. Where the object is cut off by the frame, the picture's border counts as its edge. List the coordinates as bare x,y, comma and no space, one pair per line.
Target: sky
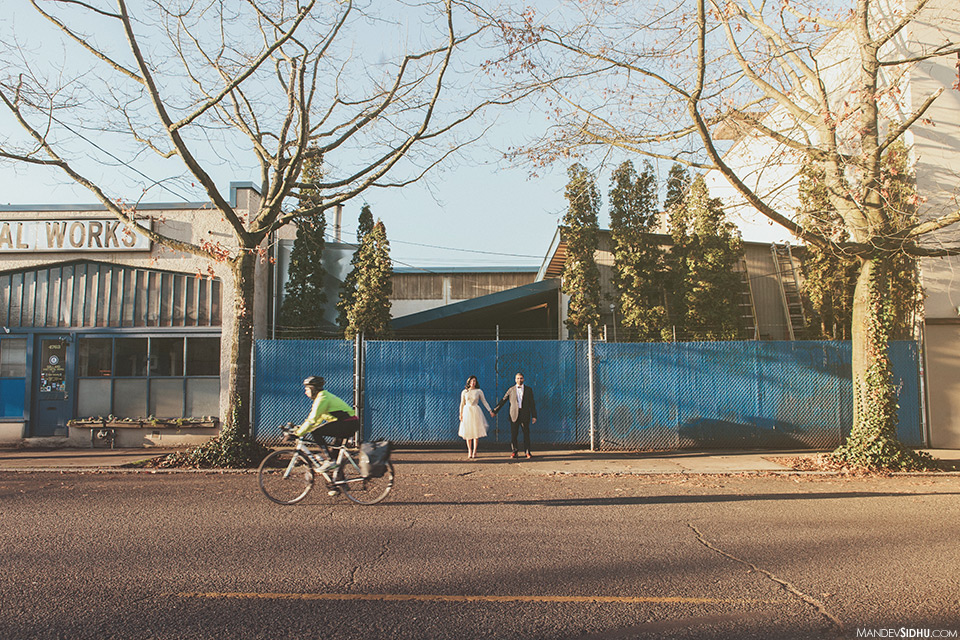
481,212
477,210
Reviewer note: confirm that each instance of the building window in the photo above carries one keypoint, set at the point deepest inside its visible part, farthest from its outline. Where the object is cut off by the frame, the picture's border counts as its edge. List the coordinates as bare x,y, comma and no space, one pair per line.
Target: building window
203,357
96,357
13,376
164,377
166,356
131,357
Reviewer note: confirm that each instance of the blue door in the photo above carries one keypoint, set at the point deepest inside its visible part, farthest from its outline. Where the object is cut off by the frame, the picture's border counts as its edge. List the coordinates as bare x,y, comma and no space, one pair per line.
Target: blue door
53,383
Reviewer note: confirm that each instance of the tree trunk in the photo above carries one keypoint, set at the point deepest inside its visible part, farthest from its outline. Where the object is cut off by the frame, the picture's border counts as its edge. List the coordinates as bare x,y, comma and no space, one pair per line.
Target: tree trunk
237,423
861,336
873,441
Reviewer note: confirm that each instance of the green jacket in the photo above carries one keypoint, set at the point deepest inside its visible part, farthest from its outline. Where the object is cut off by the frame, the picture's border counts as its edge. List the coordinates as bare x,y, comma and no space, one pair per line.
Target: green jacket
322,412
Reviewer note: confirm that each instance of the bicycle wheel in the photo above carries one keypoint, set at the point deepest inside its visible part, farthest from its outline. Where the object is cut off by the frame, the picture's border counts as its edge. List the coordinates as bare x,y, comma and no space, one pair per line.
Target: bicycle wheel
365,490
285,476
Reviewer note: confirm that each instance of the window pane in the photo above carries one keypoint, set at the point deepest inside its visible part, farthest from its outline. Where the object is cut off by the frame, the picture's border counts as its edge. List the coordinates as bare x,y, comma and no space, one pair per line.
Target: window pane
93,398
203,356
12,393
6,292
203,397
190,308
131,357
40,299
215,303
166,357
166,297
130,398
179,284
166,398
203,307
96,355
29,295
13,358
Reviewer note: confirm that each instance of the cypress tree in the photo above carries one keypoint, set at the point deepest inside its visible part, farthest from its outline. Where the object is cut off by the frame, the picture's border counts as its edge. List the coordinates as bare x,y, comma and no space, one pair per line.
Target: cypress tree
638,259
713,255
677,273
348,290
903,270
830,277
301,314
581,277
678,183
370,313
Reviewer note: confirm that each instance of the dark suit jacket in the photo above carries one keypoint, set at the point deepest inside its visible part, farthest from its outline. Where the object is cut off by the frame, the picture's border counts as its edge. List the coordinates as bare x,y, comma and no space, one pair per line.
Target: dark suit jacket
524,413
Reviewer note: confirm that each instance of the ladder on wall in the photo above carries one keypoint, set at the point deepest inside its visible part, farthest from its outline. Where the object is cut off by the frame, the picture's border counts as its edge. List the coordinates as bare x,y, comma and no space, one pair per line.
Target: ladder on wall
789,281
748,309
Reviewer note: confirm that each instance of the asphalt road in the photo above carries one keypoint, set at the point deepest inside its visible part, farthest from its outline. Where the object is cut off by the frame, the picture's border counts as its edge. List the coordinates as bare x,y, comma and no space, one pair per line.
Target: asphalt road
100,555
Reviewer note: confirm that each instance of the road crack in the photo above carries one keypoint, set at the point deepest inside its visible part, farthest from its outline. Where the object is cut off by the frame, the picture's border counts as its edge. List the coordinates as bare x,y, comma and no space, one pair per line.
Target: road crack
809,600
353,577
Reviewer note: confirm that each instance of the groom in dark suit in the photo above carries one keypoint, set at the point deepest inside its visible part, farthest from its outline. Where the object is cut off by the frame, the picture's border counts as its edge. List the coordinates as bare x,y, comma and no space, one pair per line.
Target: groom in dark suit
523,411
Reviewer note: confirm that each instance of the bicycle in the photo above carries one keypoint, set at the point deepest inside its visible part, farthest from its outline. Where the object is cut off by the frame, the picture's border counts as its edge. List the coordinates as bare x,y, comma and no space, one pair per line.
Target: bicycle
286,476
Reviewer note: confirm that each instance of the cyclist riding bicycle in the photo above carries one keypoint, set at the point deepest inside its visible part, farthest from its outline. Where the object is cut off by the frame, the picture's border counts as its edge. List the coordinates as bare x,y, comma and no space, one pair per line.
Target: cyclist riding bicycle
329,416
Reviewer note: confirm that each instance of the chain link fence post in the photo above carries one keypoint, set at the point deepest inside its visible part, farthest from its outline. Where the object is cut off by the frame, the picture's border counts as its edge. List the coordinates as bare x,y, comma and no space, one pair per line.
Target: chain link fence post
358,384
593,418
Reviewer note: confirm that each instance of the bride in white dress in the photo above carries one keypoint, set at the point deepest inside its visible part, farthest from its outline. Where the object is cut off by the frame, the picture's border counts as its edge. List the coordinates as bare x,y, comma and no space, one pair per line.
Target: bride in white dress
473,424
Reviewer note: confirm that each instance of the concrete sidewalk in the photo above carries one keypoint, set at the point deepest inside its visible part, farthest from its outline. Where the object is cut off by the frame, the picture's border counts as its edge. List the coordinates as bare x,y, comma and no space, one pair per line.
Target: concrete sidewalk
453,461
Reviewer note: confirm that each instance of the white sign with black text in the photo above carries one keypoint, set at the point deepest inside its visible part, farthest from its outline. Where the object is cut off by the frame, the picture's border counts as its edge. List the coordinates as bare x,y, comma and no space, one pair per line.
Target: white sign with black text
88,234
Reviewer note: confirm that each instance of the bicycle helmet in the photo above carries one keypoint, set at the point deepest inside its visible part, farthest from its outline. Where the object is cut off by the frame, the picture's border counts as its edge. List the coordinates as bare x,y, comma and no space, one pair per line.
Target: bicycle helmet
314,381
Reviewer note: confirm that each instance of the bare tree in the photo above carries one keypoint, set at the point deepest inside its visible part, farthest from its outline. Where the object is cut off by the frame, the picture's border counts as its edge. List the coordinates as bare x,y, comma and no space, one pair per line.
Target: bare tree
789,83
262,84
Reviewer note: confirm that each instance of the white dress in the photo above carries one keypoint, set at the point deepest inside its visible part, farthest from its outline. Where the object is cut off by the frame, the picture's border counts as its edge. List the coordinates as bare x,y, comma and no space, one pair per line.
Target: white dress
473,425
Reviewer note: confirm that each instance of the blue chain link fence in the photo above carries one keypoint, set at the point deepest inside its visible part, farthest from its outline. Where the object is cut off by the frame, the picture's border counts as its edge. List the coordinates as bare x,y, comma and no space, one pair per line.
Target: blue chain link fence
413,388
647,395
280,368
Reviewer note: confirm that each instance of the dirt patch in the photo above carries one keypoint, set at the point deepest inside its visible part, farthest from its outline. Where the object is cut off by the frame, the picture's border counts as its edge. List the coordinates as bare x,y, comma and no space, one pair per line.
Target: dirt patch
823,462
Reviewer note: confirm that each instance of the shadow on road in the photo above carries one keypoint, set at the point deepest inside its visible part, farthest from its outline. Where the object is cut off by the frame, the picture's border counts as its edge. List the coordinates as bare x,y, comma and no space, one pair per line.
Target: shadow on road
652,500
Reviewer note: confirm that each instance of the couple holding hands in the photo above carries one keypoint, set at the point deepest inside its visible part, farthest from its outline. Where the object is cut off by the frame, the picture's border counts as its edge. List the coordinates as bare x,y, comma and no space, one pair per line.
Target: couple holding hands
473,425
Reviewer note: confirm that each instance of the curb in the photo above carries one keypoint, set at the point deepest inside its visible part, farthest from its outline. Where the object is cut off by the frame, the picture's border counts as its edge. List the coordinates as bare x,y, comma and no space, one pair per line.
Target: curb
682,472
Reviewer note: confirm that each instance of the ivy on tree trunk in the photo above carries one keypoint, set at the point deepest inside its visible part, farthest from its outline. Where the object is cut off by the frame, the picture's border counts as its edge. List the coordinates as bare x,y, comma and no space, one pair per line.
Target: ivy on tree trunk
873,442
